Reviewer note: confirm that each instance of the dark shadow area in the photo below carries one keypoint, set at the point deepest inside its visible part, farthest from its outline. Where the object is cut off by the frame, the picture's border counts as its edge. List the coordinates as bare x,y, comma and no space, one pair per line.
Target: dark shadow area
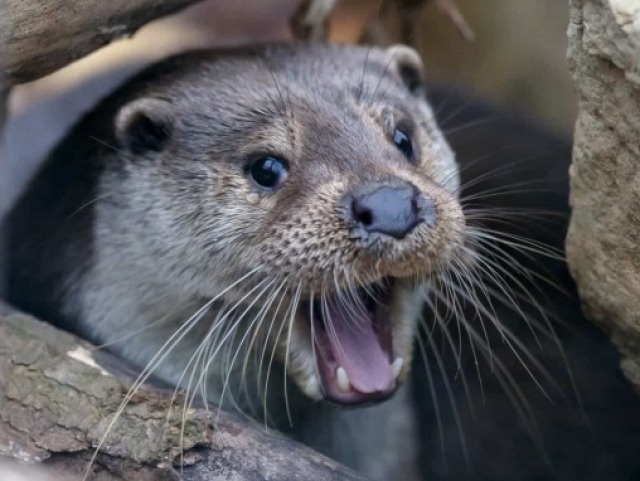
542,397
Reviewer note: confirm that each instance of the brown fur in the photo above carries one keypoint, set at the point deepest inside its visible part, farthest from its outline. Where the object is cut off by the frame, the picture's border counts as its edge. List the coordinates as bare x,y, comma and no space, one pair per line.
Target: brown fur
119,232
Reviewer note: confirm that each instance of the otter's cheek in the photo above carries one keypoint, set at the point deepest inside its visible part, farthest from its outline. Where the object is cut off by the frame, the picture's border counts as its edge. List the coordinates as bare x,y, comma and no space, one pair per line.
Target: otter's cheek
294,349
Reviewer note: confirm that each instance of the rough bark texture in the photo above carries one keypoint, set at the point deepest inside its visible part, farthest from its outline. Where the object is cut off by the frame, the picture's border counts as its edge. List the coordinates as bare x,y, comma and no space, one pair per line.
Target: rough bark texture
40,36
604,236
58,397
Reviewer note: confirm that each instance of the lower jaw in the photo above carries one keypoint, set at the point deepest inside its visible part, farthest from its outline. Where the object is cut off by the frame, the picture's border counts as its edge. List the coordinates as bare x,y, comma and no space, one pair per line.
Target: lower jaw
355,399
358,403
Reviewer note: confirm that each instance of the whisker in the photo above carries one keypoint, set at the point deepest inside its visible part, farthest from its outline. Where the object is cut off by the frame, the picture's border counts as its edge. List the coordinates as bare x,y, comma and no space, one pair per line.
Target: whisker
518,349
88,204
201,349
432,389
158,358
262,355
229,368
288,344
450,394
456,352
517,242
261,316
328,321
468,125
153,363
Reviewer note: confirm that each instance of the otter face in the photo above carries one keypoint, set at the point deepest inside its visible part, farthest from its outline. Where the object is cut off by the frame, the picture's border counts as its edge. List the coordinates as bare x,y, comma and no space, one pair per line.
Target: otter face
311,189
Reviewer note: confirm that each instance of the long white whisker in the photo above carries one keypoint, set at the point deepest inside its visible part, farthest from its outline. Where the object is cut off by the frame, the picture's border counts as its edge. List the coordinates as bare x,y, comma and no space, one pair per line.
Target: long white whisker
450,394
162,353
288,344
246,334
273,351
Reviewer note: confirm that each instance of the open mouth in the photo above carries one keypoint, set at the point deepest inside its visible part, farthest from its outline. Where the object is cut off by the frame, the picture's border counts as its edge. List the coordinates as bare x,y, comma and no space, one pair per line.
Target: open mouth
353,344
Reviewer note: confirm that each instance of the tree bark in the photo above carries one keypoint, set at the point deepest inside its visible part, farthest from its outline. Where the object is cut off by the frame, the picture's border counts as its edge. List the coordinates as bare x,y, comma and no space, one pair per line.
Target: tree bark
40,36
604,234
59,395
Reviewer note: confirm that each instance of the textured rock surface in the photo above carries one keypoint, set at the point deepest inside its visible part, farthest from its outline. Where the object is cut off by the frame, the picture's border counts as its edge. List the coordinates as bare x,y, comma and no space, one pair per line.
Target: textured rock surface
603,245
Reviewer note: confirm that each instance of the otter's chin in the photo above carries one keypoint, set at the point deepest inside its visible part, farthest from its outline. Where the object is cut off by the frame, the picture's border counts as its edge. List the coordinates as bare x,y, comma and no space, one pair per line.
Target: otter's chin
353,344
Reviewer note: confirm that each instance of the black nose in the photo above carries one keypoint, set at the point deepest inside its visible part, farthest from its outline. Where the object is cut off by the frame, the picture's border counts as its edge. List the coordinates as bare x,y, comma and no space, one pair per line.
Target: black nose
394,210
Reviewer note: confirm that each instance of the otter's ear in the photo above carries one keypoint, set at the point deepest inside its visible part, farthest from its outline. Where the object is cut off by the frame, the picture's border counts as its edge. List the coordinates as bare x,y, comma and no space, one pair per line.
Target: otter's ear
144,125
408,65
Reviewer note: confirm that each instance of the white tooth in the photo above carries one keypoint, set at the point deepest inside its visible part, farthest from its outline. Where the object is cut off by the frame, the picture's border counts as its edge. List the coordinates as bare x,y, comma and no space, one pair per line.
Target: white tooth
343,380
396,367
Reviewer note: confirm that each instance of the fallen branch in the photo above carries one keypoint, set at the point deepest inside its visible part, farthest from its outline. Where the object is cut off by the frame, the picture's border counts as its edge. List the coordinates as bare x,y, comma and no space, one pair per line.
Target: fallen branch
407,11
451,10
58,397
40,36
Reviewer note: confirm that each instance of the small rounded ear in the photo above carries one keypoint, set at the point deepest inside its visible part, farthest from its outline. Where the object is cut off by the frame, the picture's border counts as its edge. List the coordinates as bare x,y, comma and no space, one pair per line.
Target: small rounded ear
144,125
408,66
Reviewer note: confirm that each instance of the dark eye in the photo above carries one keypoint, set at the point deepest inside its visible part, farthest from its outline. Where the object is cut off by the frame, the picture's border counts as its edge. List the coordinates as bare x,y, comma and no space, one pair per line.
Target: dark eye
269,172
404,143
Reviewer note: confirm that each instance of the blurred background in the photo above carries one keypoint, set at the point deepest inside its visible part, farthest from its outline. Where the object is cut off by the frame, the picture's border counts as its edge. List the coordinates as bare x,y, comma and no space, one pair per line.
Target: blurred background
517,60
518,57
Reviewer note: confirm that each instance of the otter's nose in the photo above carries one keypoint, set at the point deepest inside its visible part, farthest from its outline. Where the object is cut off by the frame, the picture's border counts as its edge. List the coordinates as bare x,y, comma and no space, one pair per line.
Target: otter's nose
394,210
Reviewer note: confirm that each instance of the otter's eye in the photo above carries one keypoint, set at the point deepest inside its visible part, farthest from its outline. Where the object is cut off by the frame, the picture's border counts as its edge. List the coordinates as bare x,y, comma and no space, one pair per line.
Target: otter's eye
402,140
269,172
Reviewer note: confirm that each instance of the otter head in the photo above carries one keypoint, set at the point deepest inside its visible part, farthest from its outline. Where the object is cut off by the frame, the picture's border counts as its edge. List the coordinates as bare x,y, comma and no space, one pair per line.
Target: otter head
310,190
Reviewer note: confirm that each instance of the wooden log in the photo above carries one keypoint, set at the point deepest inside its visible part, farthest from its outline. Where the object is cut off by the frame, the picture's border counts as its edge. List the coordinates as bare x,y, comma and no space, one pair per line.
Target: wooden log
59,396
38,37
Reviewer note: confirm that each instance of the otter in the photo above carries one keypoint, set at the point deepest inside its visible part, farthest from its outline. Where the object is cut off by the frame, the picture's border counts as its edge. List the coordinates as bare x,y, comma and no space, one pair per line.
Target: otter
260,224
506,165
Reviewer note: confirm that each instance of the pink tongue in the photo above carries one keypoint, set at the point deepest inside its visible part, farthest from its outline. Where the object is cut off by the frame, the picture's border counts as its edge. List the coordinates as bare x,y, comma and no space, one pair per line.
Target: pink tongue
356,348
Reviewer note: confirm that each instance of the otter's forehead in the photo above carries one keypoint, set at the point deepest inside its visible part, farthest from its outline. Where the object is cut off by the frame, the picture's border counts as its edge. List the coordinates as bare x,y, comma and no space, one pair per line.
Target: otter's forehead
333,109
313,65
320,102
275,78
